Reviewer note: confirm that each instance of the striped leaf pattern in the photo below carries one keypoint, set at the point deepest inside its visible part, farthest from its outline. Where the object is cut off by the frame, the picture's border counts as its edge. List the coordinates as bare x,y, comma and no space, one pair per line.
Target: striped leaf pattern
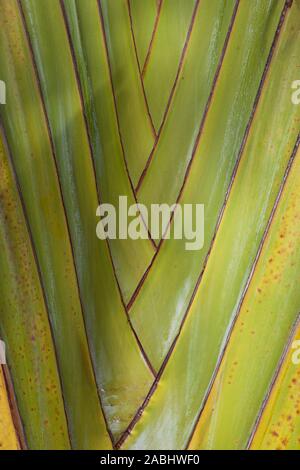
141,344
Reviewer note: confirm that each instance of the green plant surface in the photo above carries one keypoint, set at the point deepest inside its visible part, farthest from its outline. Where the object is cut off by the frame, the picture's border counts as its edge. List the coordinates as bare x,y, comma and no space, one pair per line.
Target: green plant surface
216,156
144,15
101,301
269,310
130,257
39,183
279,426
159,73
142,344
240,73
185,377
128,89
26,330
39,186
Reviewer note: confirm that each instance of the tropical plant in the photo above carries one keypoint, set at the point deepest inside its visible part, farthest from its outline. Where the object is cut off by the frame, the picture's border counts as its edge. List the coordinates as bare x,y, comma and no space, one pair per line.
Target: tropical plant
140,344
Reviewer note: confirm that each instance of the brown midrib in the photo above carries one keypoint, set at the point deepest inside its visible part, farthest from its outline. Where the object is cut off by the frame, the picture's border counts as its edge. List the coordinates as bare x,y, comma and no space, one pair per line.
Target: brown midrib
159,6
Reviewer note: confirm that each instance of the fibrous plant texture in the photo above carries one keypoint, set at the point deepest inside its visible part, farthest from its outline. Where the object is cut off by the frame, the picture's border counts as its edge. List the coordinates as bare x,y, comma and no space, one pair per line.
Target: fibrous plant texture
142,344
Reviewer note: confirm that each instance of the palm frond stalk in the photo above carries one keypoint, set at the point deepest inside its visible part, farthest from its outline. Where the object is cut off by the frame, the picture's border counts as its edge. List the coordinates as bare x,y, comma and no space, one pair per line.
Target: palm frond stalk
141,344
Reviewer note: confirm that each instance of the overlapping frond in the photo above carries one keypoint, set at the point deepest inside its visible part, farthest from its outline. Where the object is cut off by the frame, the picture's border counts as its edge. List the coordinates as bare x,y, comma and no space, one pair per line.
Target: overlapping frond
141,344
